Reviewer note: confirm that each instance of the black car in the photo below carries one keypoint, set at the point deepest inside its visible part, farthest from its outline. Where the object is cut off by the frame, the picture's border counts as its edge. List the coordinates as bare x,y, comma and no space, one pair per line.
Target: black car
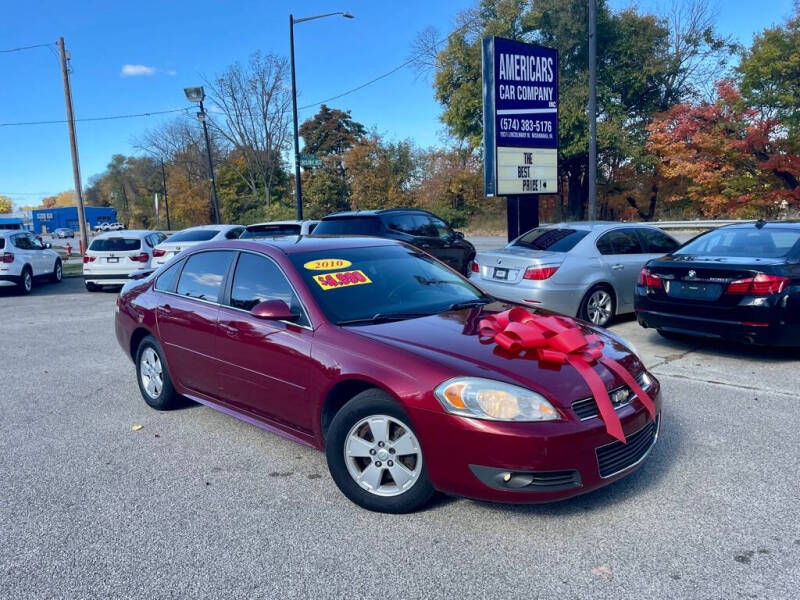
740,283
413,226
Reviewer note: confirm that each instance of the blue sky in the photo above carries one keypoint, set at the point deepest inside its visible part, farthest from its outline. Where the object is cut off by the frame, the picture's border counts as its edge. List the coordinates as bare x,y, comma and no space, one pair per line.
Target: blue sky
182,41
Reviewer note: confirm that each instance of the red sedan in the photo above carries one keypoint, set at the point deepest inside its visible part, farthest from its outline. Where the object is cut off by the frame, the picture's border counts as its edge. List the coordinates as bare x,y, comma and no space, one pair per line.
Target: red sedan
407,375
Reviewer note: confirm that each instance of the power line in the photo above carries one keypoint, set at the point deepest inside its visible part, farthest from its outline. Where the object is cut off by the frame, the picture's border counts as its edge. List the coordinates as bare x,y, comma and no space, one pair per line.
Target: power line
21,48
108,118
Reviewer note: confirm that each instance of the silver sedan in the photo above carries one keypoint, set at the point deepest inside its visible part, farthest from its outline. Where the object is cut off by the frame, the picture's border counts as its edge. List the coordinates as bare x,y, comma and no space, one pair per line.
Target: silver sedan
584,269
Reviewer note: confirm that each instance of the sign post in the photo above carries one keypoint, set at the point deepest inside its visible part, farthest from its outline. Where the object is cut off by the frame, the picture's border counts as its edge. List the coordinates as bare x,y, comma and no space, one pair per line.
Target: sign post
520,127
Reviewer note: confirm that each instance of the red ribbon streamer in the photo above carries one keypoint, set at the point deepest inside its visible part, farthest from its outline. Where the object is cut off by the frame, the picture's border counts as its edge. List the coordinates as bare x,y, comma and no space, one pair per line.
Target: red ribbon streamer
559,340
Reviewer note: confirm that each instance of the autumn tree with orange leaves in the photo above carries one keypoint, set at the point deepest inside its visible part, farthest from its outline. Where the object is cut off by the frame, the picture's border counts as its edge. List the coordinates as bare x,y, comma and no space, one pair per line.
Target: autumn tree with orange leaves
723,159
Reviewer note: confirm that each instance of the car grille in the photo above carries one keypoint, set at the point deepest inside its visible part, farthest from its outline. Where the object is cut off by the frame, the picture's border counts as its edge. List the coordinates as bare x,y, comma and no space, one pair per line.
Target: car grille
618,456
587,408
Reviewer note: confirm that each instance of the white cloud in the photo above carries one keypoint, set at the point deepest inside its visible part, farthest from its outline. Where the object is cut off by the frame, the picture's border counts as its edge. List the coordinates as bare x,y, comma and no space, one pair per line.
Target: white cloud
137,70
171,72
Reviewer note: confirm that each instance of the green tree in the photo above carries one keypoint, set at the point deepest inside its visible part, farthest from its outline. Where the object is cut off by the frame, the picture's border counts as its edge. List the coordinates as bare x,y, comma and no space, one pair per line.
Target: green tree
5,204
770,73
331,131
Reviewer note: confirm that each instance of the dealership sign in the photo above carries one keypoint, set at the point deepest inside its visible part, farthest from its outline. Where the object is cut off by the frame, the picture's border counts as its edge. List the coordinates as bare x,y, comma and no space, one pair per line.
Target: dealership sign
520,118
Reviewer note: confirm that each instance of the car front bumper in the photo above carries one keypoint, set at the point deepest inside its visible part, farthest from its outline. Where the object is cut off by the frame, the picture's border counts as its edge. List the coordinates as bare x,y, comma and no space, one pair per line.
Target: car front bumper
529,463
562,299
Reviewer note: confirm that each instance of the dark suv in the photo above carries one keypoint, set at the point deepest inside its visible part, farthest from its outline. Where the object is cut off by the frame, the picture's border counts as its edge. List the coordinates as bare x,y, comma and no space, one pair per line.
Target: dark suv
413,226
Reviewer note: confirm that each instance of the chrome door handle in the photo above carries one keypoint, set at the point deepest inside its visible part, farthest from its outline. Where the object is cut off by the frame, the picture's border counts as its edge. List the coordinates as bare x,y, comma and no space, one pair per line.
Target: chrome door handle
166,309
618,267
228,328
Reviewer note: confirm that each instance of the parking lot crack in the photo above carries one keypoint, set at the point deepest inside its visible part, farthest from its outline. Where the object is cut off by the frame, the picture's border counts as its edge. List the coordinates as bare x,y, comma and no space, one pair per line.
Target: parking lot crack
730,385
672,358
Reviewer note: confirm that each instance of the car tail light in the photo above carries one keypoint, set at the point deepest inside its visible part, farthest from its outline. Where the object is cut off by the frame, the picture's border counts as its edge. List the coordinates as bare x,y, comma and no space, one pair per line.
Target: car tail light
142,257
158,252
7,257
88,259
648,279
475,267
539,273
760,285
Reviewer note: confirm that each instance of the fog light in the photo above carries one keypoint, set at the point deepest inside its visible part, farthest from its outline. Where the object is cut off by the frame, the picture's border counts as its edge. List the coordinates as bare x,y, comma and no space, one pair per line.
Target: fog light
507,477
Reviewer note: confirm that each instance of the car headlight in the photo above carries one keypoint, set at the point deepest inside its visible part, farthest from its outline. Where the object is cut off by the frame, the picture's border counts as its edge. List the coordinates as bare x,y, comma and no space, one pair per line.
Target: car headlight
488,399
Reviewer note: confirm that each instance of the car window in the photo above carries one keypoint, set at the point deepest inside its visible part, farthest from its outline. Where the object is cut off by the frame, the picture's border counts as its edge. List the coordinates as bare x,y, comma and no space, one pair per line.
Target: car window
761,243
381,280
656,241
312,227
258,279
36,243
349,226
439,228
115,244
194,235
260,231
619,241
2,243
167,280
23,242
234,233
203,275
148,239
552,239
404,223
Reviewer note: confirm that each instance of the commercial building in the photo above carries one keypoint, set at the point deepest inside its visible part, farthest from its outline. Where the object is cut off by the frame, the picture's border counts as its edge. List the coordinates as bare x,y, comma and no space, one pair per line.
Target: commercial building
47,220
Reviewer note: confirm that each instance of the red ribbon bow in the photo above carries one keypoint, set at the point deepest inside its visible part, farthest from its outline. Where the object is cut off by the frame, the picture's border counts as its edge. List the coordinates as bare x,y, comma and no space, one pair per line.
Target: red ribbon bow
559,340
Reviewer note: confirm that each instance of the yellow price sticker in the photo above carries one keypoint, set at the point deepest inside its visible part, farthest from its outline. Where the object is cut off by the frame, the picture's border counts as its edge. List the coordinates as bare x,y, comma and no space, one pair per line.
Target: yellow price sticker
332,281
327,264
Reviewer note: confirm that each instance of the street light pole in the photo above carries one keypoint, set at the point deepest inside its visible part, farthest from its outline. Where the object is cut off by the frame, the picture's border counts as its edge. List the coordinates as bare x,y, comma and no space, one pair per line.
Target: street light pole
592,110
166,200
202,116
298,192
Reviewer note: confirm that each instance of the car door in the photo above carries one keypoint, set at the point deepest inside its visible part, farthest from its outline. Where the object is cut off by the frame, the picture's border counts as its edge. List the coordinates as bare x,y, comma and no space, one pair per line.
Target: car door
622,258
187,320
23,247
44,260
268,364
449,248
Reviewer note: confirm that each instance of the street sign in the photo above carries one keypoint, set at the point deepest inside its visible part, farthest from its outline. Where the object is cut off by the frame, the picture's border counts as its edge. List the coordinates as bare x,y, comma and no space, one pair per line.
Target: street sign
520,118
309,160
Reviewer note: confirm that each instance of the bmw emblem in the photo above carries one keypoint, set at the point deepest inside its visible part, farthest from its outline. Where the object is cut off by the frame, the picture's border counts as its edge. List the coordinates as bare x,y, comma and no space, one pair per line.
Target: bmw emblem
692,274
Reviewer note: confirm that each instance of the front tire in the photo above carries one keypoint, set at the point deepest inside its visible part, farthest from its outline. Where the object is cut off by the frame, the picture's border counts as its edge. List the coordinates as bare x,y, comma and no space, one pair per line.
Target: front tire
375,457
58,272
598,305
153,377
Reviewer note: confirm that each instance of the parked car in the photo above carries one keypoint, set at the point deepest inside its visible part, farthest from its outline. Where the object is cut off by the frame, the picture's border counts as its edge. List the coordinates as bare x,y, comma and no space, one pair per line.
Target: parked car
113,256
416,227
192,236
584,269
100,227
370,349
64,232
278,228
739,283
115,226
25,259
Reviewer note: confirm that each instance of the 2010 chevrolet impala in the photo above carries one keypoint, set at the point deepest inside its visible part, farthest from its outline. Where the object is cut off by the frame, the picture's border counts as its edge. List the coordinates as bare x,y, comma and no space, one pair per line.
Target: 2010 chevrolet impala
405,373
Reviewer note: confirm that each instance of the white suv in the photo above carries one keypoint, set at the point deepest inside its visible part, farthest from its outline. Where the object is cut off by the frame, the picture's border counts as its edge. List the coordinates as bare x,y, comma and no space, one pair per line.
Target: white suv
24,258
114,255
181,240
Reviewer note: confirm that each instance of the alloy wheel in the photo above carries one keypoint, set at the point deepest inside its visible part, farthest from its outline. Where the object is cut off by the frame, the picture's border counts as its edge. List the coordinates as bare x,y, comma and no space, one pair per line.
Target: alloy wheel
383,456
598,308
27,281
151,373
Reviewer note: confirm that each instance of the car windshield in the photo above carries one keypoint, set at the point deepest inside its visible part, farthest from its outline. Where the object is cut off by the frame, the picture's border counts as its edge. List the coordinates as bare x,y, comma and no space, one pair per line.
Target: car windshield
743,243
259,231
193,235
349,226
381,282
552,239
116,244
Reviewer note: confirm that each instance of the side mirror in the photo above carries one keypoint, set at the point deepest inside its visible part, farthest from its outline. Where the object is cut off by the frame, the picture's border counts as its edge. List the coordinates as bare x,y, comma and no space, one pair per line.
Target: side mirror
458,235
273,310
48,245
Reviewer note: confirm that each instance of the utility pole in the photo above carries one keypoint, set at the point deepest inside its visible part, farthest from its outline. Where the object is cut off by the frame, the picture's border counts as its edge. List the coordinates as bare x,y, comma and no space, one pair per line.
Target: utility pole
73,146
298,194
592,110
166,201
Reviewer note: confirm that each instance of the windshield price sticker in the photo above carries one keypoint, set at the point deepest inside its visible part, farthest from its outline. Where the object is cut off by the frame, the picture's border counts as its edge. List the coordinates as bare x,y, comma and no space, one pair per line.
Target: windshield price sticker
327,264
331,281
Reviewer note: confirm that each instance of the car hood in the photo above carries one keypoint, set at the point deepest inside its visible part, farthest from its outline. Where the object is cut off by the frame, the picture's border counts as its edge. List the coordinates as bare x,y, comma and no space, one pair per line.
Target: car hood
451,339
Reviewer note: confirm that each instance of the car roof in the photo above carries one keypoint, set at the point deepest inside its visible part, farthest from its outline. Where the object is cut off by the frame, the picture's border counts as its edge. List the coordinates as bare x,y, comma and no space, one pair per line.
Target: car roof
126,233
763,225
347,214
286,222
298,244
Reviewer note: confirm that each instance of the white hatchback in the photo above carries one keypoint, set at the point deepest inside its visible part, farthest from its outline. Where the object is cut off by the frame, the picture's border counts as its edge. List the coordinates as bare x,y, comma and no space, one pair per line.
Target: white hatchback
114,255
24,258
178,242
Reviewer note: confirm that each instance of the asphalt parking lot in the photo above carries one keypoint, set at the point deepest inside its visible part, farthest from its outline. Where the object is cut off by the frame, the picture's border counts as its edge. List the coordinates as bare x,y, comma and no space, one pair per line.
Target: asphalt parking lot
197,504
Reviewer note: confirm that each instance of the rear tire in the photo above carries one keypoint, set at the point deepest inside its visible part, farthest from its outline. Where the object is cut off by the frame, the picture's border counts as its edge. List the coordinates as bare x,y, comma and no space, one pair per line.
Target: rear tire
153,377
598,305
26,281
58,272
383,475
